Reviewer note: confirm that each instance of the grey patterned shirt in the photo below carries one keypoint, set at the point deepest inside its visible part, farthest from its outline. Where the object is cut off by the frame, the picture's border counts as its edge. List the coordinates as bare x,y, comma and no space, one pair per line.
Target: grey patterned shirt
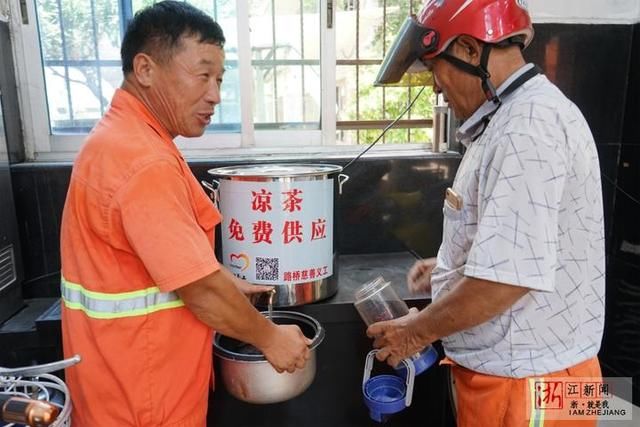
531,216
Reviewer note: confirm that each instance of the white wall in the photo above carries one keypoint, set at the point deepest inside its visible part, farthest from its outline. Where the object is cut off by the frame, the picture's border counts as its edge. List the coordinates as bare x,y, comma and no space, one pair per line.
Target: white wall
4,10
586,11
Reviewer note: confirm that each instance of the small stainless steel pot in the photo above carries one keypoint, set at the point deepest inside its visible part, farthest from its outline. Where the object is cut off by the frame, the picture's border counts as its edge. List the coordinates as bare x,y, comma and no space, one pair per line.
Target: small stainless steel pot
251,378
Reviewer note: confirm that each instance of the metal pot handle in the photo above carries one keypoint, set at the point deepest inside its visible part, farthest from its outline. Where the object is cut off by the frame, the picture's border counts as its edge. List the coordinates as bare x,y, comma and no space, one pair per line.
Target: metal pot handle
215,196
35,370
411,373
318,338
342,178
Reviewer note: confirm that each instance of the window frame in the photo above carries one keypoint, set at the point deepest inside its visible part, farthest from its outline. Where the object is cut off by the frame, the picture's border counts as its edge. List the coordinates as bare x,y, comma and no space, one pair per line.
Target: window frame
41,144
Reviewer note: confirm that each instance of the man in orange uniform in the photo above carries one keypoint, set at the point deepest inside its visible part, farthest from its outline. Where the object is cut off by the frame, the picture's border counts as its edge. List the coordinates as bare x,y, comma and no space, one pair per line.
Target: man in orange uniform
142,290
518,284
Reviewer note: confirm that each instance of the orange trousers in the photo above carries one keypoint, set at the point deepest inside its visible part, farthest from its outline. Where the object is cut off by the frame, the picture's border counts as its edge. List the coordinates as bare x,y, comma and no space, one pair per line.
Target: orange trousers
490,401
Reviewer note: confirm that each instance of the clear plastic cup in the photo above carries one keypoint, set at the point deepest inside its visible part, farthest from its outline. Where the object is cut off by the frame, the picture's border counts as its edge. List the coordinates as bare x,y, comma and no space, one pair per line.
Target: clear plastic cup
377,301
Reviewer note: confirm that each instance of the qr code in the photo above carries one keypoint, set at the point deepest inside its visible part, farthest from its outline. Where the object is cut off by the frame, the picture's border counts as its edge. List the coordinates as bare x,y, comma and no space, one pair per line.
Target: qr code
267,268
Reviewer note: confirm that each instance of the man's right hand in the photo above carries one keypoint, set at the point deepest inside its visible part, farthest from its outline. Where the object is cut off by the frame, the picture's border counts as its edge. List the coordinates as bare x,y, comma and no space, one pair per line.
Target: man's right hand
419,277
287,349
217,300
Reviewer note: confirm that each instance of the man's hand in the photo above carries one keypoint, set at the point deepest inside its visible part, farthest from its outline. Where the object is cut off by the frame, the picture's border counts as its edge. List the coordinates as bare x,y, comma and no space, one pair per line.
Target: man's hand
419,277
397,339
286,348
253,292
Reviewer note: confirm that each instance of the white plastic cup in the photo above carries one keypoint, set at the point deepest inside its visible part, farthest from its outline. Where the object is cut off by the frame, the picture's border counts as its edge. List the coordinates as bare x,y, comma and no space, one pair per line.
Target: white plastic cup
377,301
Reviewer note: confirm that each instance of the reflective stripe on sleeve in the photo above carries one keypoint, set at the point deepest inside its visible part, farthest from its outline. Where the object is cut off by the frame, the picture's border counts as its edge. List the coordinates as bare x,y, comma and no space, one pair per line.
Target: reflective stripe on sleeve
536,417
101,305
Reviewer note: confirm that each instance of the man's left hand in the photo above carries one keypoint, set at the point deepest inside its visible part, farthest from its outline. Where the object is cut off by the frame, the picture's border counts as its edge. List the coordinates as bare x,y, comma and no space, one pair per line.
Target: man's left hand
397,338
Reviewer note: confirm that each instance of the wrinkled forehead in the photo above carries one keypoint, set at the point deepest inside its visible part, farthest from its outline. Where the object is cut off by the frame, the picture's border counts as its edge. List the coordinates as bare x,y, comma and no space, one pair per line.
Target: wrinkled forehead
203,51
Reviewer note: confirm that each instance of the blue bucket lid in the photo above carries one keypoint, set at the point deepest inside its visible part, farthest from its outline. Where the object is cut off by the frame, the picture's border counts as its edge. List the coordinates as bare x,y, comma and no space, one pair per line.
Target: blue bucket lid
384,395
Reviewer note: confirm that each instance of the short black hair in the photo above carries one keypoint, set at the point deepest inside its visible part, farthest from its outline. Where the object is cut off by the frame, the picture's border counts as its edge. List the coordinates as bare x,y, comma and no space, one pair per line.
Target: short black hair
156,30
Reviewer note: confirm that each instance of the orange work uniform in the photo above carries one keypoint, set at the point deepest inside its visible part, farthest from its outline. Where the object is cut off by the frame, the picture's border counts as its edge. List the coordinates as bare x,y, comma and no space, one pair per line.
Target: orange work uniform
136,226
490,401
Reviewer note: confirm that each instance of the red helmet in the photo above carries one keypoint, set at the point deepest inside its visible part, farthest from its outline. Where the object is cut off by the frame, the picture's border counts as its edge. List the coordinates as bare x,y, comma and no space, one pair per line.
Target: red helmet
442,21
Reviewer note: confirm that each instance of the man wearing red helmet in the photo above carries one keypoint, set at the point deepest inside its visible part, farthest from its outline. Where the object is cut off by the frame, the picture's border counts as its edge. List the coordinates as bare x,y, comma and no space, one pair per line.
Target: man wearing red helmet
518,284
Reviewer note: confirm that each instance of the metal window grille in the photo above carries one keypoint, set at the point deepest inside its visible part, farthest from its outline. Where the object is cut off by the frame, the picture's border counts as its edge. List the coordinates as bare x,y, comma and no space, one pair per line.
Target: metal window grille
8,273
373,25
286,63
80,49
80,44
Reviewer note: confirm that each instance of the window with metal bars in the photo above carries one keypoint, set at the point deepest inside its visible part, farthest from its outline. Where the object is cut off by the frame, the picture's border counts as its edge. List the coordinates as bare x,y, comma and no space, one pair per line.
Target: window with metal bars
80,45
289,86
364,31
285,55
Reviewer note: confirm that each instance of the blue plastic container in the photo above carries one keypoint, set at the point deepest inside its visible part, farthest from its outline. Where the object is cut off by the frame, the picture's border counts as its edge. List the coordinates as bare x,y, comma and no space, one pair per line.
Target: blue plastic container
385,395
421,362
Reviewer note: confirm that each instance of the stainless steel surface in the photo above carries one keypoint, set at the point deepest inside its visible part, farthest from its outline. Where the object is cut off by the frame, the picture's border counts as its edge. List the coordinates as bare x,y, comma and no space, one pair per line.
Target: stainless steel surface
250,378
342,178
358,269
211,188
33,371
287,294
8,274
31,412
271,293
47,388
275,172
440,128
32,381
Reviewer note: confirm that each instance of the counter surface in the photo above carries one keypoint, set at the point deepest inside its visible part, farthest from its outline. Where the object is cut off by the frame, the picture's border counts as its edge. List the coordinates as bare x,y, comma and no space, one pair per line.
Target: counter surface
355,270
335,397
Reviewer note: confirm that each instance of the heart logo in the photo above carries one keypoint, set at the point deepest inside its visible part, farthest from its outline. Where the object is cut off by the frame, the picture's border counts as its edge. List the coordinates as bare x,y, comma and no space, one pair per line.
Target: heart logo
239,261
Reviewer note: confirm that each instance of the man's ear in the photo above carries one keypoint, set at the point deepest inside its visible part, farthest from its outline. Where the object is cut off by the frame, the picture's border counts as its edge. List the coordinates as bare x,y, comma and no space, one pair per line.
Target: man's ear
143,69
468,49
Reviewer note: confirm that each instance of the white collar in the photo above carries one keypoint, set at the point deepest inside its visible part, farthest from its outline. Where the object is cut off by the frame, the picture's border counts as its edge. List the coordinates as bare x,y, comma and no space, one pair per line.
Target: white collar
472,126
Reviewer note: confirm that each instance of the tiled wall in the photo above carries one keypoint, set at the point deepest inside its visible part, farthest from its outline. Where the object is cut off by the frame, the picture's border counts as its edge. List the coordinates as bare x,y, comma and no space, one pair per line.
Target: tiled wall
622,338
590,63
388,204
10,151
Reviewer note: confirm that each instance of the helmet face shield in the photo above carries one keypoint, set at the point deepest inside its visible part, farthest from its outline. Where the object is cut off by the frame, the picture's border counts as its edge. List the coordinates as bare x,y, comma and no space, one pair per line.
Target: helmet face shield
412,43
440,22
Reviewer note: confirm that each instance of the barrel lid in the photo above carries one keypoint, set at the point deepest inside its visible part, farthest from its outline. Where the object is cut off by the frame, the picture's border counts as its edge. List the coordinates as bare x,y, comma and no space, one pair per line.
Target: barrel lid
276,170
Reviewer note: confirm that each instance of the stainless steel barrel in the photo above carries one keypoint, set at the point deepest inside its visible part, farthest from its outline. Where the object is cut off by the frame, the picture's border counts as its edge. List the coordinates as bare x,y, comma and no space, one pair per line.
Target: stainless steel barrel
278,227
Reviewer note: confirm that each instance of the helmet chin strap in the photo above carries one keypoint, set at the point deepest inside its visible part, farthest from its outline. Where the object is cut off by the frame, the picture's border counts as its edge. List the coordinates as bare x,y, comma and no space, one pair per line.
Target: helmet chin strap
480,71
